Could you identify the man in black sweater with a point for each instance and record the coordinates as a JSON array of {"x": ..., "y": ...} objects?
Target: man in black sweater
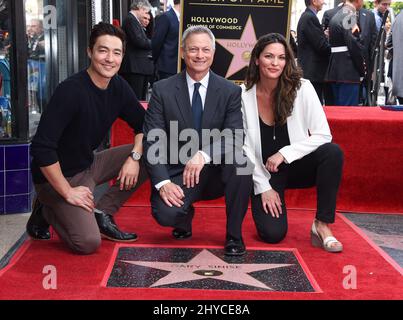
[{"x": 65, "y": 169}]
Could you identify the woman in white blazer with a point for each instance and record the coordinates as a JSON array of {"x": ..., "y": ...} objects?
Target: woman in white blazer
[{"x": 289, "y": 141}]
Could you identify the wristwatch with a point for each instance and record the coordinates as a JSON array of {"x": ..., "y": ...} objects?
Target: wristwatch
[{"x": 135, "y": 156}]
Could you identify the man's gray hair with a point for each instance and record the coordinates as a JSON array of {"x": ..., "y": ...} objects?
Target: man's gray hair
[
  {"x": 197, "y": 30},
  {"x": 138, "y": 4}
]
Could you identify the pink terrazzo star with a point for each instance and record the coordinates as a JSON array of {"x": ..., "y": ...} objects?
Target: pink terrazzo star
[{"x": 241, "y": 49}]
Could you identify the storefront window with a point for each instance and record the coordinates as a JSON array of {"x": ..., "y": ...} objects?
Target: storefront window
[
  {"x": 5, "y": 72},
  {"x": 36, "y": 64},
  {"x": 56, "y": 40}
]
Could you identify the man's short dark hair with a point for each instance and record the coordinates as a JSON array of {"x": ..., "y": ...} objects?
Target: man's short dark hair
[
  {"x": 308, "y": 2},
  {"x": 177, "y": 1},
  {"x": 102, "y": 29}
]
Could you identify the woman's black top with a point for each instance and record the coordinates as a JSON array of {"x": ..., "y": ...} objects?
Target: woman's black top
[{"x": 270, "y": 145}]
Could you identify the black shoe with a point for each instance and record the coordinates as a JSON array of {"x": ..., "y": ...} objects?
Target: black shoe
[
  {"x": 110, "y": 230},
  {"x": 37, "y": 226},
  {"x": 234, "y": 247},
  {"x": 181, "y": 234}
]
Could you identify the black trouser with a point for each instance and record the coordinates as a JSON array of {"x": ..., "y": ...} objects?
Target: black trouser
[
  {"x": 139, "y": 84},
  {"x": 321, "y": 168},
  {"x": 324, "y": 92},
  {"x": 215, "y": 181},
  {"x": 400, "y": 99}
]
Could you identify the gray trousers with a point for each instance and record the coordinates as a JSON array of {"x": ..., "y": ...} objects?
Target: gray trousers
[{"x": 74, "y": 225}]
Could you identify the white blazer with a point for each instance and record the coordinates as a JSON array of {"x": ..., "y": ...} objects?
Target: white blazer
[{"x": 307, "y": 129}]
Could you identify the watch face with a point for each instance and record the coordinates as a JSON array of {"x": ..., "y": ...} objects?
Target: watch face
[{"x": 136, "y": 156}]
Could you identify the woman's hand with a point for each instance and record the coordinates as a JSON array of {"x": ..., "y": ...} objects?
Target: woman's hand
[
  {"x": 274, "y": 161},
  {"x": 271, "y": 202}
]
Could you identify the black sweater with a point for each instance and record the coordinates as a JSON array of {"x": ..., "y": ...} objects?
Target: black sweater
[{"x": 76, "y": 121}]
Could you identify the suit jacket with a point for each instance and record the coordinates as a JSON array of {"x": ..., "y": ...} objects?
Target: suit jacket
[
  {"x": 368, "y": 33},
  {"x": 170, "y": 101},
  {"x": 165, "y": 42},
  {"x": 347, "y": 66},
  {"x": 328, "y": 15},
  {"x": 313, "y": 47},
  {"x": 137, "y": 57},
  {"x": 397, "y": 32},
  {"x": 307, "y": 128}
]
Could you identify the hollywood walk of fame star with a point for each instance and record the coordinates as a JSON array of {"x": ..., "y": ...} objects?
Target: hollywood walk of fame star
[
  {"x": 207, "y": 265},
  {"x": 241, "y": 49},
  {"x": 390, "y": 241}
]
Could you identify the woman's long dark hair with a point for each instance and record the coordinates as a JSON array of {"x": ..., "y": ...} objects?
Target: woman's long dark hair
[{"x": 289, "y": 82}]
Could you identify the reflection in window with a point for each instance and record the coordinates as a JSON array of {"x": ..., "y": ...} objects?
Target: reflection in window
[
  {"x": 37, "y": 84},
  {"x": 5, "y": 72}
]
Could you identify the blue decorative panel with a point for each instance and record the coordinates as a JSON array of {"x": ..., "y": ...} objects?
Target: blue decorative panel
[
  {"x": 30, "y": 183},
  {"x": 17, "y": 182},
  {"x": 17, "y": 157},
  {"x": 2, "y": 158},
  {"x": 2, "y": 205},
  {"x": 16, "y": 189},
  {"x": 2, "y": 174},
  {"x": 18, "y": 204}
]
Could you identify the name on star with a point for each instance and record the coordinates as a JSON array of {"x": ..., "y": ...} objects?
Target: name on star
[{"x": 192, "y": 266}]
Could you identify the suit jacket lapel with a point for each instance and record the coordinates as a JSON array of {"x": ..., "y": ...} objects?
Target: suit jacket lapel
[
  {"x": 211, "y": 103},
  {"x": 138, "y": 25},
  {"x": 183, "y": 100},
  {"x": 252, "y": 118}
]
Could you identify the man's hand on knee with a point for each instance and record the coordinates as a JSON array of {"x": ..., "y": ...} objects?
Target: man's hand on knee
[
  {"x": 191, "y": 174},
  {"x": 129, "y": 174},
  {"x": 172, "y": 195},
  {"x": 81, "y": 197}
]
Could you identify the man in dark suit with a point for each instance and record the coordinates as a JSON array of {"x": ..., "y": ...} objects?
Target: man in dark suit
[
  {"x": 188, "y": 105},
  {"x": 165, "y": 42},
  {"x": 313, "y": 48},
  {"x": 137, "y": 65},
  {"x": 346, "y": 68},
  {"x": 367, "y": 25}
]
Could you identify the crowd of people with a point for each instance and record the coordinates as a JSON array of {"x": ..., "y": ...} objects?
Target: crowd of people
[
  {"x": 337, "y": 54},
  {"x": 152, "y": 45}
]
